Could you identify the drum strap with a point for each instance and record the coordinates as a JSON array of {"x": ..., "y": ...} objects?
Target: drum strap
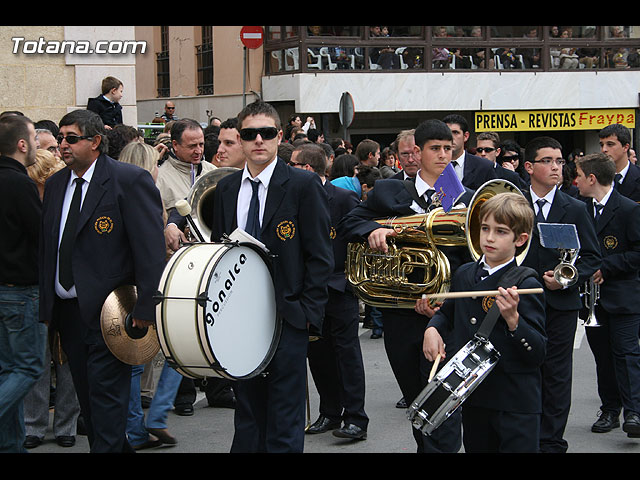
[{"x": 513, "y": 277}]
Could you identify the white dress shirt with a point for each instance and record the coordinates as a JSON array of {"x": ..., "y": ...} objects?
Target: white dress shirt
[
  {"x": 421, "y": 188},
  {"x": 549, "y": 200},
  {"x": 66, "y": 203},
  {"x": 246, "y": 192}
]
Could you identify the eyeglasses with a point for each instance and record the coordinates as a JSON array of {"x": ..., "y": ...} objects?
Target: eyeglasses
[
  {"x": 548, "y": 161},
  {"x": 296, "y": 164},
  {"x": 73, "y": 139},
  {"x": 511, "y": 158},
  {"x": 266, "y": 133},
  {"x": 485, "y": 149}
]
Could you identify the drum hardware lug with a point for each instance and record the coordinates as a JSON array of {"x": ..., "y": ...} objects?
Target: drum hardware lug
[{"x": 202, "y": 299}]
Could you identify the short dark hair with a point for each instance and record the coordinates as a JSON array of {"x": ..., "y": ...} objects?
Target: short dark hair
[
  {"x": 179, "y": 126},
  {"x": 13, "y": 128},
  {"x": 431, "y": 130},
  {"x": 531, "y": 148},
  {"x": 458, "y": 120},
  {"x": 598, "y": 164},
  {"x": 230, "y": 123},
  {"x": 259, "y": 108},
  {"x": 619, "y": 131},
  {"x": 366, "y": 147},
  {"x": 344, "y": 166},
  {"x": 89, "y": 123},
  {"x": 368, "y": 175},
  {"x": 211, "y": 144},
  {"x": 109, "y": 83},
  {"x": 312, "y": 155}
]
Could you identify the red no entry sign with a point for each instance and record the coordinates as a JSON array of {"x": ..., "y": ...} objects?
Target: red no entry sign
[{"x": 251, "y": 37}]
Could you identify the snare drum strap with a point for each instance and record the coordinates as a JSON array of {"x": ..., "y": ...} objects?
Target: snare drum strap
[{"x": 514, "y": 277}]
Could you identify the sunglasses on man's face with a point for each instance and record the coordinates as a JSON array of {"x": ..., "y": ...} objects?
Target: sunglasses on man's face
[
  {"x": 266, "y": 133},
  {"x": 72, "y": 139}
]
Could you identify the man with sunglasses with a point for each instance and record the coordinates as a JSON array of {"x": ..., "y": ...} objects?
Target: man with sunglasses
[
  {"x": 287, "y": 210},
  {"x": 487, "y": 146},
  {"x": 101, "y": 229},
  {"x": 543, "y": 161}
]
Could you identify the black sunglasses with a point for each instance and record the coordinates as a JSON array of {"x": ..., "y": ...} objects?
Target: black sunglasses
[
  {"x": 267, "y": 133},
  {"x": 73, "y": 139},
  {"x": 484, "y": 149}
]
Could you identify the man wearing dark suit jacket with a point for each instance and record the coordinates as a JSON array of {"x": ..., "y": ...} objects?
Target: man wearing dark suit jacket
[
  {"x": 615, "y": 342},
  {"x": 543, "y": 162},
  {"x": 407, "y": 157},
  {"x": 615, "y": 142},
  {"x": 404, "y": 328},
  {"x": 111, "y": 213},
  {"x": 289, "y": 214},
  {"x": 335, "y": 359},
  {"x": 473, "y": 171}
]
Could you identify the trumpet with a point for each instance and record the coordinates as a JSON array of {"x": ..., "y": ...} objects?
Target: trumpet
[
  {"x": 591, "y": 295},
  {"x": 565, "y": 273}
]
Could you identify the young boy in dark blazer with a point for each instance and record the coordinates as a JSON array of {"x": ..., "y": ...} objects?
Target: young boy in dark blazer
[
  {"x": 503, "y": 413},
  {"x": 615, "y": 342}
]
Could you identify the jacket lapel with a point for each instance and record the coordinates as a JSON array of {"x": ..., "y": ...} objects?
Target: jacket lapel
[
  {"x": 95, "y": 191},
  {"x": 608, "y": 212},
  {"x": 276, "y": 192}
]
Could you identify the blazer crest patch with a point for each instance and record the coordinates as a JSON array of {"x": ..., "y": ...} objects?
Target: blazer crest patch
[
  {"x": 103, "y": 225},
  {"x": 610, "y": 242},
  {"x": 286, "y": 230}
]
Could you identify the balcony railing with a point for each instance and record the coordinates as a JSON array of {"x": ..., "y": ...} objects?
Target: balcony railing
[{"x": 305, "y": 49}]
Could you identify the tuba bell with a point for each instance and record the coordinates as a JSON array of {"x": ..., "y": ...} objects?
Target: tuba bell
[
  {"x": 200, "y": 198},
  {"x": 413, "y": 265}
]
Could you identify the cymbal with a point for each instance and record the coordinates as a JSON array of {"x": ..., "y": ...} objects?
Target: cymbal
[{"x": 131, "y": 345}]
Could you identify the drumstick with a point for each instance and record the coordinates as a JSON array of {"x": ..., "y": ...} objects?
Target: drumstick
[
  {"x": 479, "y": 293},
  {"x": 435, "y": 367}
]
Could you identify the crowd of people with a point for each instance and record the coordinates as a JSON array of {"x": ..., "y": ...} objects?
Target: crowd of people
[{"x": 88, "y": 205}]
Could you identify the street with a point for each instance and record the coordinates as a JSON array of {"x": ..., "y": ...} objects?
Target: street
[{"x": 210, "y": 430}]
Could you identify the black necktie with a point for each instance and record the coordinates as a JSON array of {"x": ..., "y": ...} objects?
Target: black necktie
[
  {"x": 253, "y": 217},
  {"x": 616, "y": 180},
  {"x": 598, "y": 209},
  {"x": 540, "y": 216},
  {"x": 428, "y": 194},
  {"x": 481, "y": 272},
  {"x": 65, "y": 275}
]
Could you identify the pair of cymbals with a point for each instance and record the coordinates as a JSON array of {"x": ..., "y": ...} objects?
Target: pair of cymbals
[{"x": 129, "y": 344}]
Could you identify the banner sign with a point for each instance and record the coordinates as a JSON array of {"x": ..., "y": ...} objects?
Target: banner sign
[{"x": 540, "y": 120}]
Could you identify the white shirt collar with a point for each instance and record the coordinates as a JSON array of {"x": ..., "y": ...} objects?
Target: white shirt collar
[
  {"x": 264, "y": 176},
  {"x": 548, "y": 197},
  {"x": 605, "y": 199},
  {"x": 88, "y": 175},
  {"x": 421, "y": 185},
  {"x": 496, "y": 268},
  {"x": 624, "y": 171}
]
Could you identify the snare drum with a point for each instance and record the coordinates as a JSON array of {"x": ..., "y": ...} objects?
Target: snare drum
[
  {"x": 216, "y": 315},
  {"x": 455, "y": 381}
]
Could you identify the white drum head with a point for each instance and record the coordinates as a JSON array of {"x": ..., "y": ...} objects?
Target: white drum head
[{"x": 240, "y": 321}]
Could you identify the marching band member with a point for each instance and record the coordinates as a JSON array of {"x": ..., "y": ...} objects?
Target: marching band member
[
  {"x": 287, "y": 210},
  {"x": 543, "y": 162},
  {"x": 101, "y": 228},
  {"x": 615, "y": 342}
]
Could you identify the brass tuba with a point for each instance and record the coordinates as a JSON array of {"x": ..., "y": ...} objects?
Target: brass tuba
[
  {"x": 414, "y": 265},
  {"x": 200, "y": 198}
]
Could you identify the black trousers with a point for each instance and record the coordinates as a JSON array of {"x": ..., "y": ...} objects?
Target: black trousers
[
  {"x": 557, "y": 371},
  {"x": 102, "y": 382},
  {"x": 270, "y": 409},
  {"x": 494, "y": 431},
  {"x": 403, "y": 336},
  {"x": 335, "y": 361},
  {"x": 617, "y": 354}
]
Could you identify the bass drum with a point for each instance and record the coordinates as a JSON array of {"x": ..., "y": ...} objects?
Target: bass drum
[{"x": 216, "y": 315}]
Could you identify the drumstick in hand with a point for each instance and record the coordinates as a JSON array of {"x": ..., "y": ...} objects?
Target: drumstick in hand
[{"x": 435, "y": 367}]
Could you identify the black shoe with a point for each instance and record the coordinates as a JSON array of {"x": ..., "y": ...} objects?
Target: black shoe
[
  {"x": 375, "y": 336},
  {"x": 607, "y": 422},
  {"x": 223, "y": 399},
  {"x": 145, "y": 401},
  {"x": 66, "y": 440},
  {"x": 151, "y": 442},
  {"x": 351, "y": 431},
  {"x": 631, "y": 425},
  {"x": 31, "y": 441},
  {"x": 322, "y": 425},
  {"x": 402, "y": 403},
  {"x": 184, "y": 410}
]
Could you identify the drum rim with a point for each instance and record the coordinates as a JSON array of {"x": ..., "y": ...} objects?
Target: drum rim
[{"x": 275, "y": 340}]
